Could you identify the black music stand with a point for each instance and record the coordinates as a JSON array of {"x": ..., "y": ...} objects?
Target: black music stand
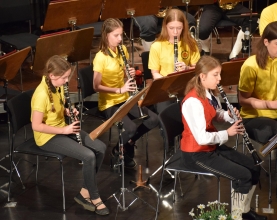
[
  {"x": 9, "y": 67},
  {"x": 66, "y": 14},
  {"x": 116, "y": 119},
  {"x": 168, "y": 87},
  {"x": 126, "y": 8}
]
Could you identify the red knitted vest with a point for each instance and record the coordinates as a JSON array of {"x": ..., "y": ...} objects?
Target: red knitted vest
[{"x": 188, "y": 142}]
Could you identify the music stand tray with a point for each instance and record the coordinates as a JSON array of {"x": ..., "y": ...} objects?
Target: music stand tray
[
  {"x": 73, "y": 45},
  {"x": 170, "y": 86},
  {"x": 66, "y": 14}
]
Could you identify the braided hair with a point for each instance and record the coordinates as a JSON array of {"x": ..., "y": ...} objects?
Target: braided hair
[{"x": 57, "y": 66}]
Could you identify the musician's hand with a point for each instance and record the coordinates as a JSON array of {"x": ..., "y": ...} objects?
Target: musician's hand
[
  {"x": 66, "y": 112},
  {"x": 236, "y": 112},
  {"x": 181, "y": 66},
  {"x": 236, "y": 128},
  {"x": 73, "y": 128},
  {"x": 132, "y": 72},
  {"x": 129, "y": 86},
  {"x": 75, "y": 112}
]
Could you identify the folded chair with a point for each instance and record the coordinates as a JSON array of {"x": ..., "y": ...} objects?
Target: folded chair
[{"x": 19, "y": 108}]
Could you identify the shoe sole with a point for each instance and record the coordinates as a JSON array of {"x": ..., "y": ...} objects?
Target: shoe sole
[{"x": 87, "y": 207}]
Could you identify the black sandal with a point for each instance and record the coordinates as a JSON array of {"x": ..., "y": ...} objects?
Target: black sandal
[
  {"x": 84, "y": 202},
  {"x": 104, "y": 211}
]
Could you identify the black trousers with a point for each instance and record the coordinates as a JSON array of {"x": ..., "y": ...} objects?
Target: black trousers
[
  {"x": 212, "y": 14},
  {"x": 130, "y": 129},
  {"x": 260, "y": 129},
  {"x": 225, "y": 162}
]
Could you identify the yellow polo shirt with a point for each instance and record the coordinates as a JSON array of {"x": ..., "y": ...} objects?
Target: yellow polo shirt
[
  {"x": 161, "y": 57},
  {"x": 41, "y": 103},
  {"x": 111, "y": 69},
  {"x": 268, "y": 15},
  {"x": 261, "y": 83}
]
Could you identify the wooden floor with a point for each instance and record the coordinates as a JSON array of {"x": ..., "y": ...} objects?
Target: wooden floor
[{"x": 44, "y": 200}]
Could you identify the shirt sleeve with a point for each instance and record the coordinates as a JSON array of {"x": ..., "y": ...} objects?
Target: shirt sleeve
[
  {"x": 193, "y": 112},
  {"x": 195, "y": 56},
  {"x": 154, "y": 61},
  {"x": 98, "y": 63},
  {"x": 247, "y": 79}
]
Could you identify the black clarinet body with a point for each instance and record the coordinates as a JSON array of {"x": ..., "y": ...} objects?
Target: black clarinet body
[
  {"x": 127, "y": 66},
  {"x": 175, "y": 53},
  {"x": 72, "y": 117},
  {"x": 249, "y": 145}
]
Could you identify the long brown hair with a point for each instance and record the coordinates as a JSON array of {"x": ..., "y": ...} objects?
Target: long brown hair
[
  {"x": 57, "y": 66},
  {"x": 108, "y": 26},
  {"x": 270, "y": 33},
  {"x": 185, "y": 37},
  {"x": 204, "y": 65}
]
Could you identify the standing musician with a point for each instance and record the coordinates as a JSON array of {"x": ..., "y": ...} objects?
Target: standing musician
[
  {"x": 203, "y": 146},
  {"x": 51, "y": 132},
  {"x": 161, "y": 57},
  {"x": 108, "y": 66},
  {"x": 268, "y": 15},
  {"x": 213, "y": 13},
  {"x": 258, "y": 89}
]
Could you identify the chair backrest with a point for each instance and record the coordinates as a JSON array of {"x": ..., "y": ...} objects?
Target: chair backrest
[
  {"x": 19, "y": 108},
  {"x": 86, "y": 81},
  {"x": 230, "y": 72},
  {"x": 171, "y": 122},
  {"x": 15, "y": 10},
  {"x": 146, "y": 71}
]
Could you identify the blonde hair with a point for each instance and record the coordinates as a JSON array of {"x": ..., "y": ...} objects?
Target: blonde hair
[
  {"x": 57, "y": 66},
  {"x": 185, "y": 37},
  {"x": 108, "y": 26},
  {"x": 204, "y": 65}
]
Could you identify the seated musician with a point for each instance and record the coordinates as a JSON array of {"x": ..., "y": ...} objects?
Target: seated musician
[
  {"x": 109, "y": 68},
  {"x": 257, "y": 88},
  {"x": 150, "y": 26},
  {"x": 268, "y": 15},
  {"x": 203, "y": 146},
  {"x": 161, "y": 57},
  {"x": 51, "y": 132},
  {"x": 213, "y": 13}
]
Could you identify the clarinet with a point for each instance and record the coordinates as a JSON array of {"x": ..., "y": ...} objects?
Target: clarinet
[
  {"x": 127, "y": 69},
  {"x": 249, "y": 145},
  {"x": 175, "y": 53},
  {"x": 72, "y": 117}
]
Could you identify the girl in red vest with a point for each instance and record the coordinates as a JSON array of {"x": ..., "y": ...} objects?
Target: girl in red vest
[{"x": 203, "y": 146}]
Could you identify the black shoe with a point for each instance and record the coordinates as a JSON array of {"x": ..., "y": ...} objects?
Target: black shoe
[
  {"x": 251, "y": 215},
  {"x": 129, "y": 162},
  {"x": 202, "y": 53},
  {"x": 86, "y": 204},
  {"x": 104, "y": 211}
]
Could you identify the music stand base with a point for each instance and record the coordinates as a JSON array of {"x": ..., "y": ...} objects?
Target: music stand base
[{"x": 268, "y": 210}]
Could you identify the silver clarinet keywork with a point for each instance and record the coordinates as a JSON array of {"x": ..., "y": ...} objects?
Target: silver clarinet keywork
[
  {"x": 249, "y": 145},
  {"x": 127, "y": 66},
  {"x": 72, "y": 117},
  {"x": 175, "y": 53}
]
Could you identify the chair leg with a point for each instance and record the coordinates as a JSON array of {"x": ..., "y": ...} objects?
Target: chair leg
[
  {"x": 62, "y": 179},
  {"x": 18, "y": 174},
  {"x": 174, "y": 188},
  {"x": 218, "y": 188},
  {"x": 182, "y": 194}
]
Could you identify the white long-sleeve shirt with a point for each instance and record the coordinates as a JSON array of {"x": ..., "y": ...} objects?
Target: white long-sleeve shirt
[{"x": 193, "y": 111}]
